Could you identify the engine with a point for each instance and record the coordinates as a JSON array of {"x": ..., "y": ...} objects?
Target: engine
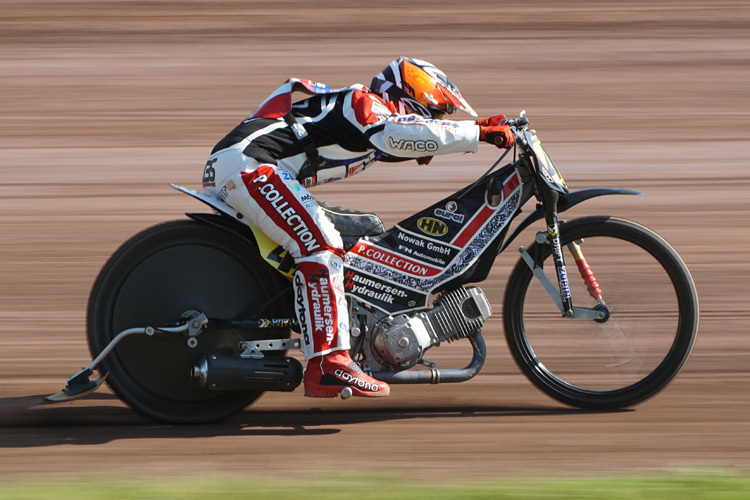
[{"x": 401, "y": 340}]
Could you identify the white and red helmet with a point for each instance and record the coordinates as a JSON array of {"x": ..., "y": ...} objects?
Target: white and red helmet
[{"x": 416, "y": 86}]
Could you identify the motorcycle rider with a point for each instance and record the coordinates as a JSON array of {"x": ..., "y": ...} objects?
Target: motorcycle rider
[{"x": 264, "y": 166}]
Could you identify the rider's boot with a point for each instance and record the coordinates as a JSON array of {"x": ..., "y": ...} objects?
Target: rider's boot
[{"x": 326, "y": 376}]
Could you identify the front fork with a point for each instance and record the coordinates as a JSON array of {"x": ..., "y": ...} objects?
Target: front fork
[
  {"x": 561, "y": 294},
  {"x": 553, "y": 233}
]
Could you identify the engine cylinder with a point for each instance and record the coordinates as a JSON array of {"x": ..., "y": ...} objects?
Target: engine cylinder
[{"x": 458, "y": 313}]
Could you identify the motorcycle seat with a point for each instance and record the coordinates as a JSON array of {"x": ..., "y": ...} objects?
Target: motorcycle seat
[{"x": 352, "y": 223}]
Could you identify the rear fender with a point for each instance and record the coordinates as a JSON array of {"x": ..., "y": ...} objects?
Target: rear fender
[
  {"x": 565, "y": 202},
  {"x": 229, "y": 219}
]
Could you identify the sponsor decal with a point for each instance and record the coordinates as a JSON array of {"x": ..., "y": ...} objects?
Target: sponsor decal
[
  {"x": 231, "y": 185},
  {"x": 319, "y": 292},
  {"x": 373, "y": 289},
  {"x": 209, "y": 173},
  {"x": 562, "y": 275},
  {"x": 355, "y": 381},
  {"x": 450, "y": 212},
  {"x": 425, "y": 250},
  {"x": 438, "y": 248},
  {"x": 289, "y": 178},
  {"x": 299, "y": 291},
  {"x": 275, "y": 323},
  {"x": 307, "y": 200},
  {"x": 380, "y": 109},
  {"x": 413, "y": 145},
  {"x": 316, "y": 87},
  {"x": 222, "y": 194},
  {"x": 337, "y": 282},
  {"x": 287, "y": 212},
  {"x": 418, "y": 120},
  {"x": 336, "y": 263},
  {"x": 422, "y": 256},
  {"x": 394, "y": 260},
  {"x": 411, "y": 240},
  {"x": 285, "y": 175},
  {"x": 428, "y": 225}
]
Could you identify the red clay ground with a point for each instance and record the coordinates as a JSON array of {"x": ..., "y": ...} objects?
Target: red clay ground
[{"x": 103, "y": 104}]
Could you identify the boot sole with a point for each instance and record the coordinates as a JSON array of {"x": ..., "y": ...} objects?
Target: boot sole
[{"x": 333, "y": 391}]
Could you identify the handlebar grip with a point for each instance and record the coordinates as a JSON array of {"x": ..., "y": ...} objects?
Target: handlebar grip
[{"x": 518, "y": 122}]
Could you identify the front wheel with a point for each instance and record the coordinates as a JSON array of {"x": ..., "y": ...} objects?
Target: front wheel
[
  {"x": 154, "y": 279},
  {"x": 626, "y": 358}
]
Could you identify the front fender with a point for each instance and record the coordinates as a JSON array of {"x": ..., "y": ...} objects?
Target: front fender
[{"x": 565, "y": 202}]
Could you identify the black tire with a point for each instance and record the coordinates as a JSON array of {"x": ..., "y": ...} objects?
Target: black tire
[
  {"x": 635, "y": 353},
  {"x": 151, "y": 280}
]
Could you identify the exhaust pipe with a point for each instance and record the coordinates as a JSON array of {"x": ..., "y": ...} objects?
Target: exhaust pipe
[
  {"x": 435, "y": 376},
  {"x": 232, "y": 373}
]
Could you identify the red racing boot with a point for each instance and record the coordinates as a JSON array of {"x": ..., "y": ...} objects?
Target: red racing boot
[{"x": 326, "y": 376}]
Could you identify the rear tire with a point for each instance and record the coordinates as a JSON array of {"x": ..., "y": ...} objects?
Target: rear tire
[{"x": 153, "y": 279}]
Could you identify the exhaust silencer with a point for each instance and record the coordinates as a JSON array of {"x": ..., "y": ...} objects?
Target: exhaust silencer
[{"x": 232, "y": 373}]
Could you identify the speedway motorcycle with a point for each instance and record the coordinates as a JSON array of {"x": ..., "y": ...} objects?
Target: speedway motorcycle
[{"x": 191, "y": 320}]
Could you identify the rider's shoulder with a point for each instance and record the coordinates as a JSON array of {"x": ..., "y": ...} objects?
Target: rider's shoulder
[{"x": 368, "y": 102}]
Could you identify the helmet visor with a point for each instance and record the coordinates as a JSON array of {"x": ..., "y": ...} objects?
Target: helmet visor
[{"x": 453, "y": 98}]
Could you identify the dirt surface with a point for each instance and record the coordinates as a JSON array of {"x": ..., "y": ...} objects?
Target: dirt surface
[{"x": 104, "y": 103}]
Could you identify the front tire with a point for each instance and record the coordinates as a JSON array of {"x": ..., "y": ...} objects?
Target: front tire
[
  {"x": 631, "y": 356},
  {"x": 153, "y": 279}
]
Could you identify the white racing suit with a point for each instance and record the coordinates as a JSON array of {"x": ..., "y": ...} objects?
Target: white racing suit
[{"x": 258, "y": 170}]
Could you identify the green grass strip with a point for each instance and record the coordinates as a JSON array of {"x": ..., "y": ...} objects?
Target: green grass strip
[{"x": 687, "y": 485}]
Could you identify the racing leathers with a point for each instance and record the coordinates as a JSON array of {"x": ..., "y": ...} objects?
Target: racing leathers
[{"x": 263, "y": 169}]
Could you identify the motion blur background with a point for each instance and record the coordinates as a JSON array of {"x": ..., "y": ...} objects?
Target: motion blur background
[{"x": 103, "y": 103}]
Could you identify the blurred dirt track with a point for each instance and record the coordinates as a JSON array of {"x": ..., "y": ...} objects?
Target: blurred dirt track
[{"x": 102, "y": 104}]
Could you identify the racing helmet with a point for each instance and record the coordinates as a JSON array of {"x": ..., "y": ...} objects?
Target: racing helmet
[{"x": 416, "y": 86}]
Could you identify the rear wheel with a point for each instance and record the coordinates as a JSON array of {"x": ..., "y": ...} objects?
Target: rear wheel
[
  {"x": 155, "y": 278},
  {"x": 637, "y": 350}
]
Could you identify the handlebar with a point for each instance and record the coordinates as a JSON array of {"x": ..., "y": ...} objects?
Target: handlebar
[{"x": 517, "y": 122}]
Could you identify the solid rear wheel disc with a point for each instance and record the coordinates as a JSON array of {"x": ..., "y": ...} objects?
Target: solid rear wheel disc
[{"x": 152, "y": 280}]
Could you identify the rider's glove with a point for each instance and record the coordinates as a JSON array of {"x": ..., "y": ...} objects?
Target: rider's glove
[
  {"x": 499, "y": 135},
  {"x": 492, "y": 121}
]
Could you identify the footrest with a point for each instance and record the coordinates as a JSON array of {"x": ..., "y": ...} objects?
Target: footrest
[
  {"x": 254, "y": 349},
  {"x": 78, "y": 386}
]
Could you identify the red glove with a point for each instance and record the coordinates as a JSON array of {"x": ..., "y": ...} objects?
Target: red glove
[
  {"x": 492, "y": 121},
  {"x": 500, "y": 135}
]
